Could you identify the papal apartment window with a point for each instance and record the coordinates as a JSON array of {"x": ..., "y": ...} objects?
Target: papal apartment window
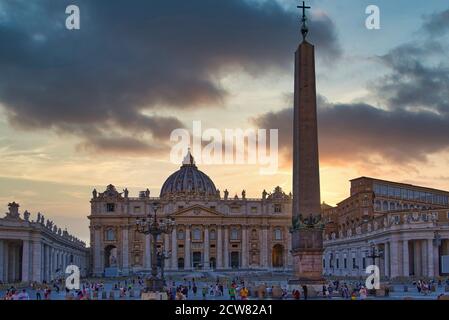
[
  {"x": 110, "y": 207},
  {"x": 136, "y": 209},
  {"x": 253, "y": 209}
]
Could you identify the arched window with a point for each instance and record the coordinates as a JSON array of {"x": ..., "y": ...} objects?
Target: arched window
[
  {"x": 278, "y": 234},
  {"x": 181, "y": 234},
  {"x": 234, "y": 234},
  {"x": 110, "y": 235},
  {"x": 196, "y": 234},
  {"x": 392, "y": 206},
  {"x": 212, "y": 235}
]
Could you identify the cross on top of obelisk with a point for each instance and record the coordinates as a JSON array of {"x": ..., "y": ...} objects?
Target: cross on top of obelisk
[{"x": 304, "y": 29}]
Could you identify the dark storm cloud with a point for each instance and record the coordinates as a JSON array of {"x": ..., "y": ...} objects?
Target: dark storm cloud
[
  {"x": 355, "y": 132},
  {"x": 418, "y": 78},
  {"x": 137, "y": 56},
  {"x": 437, "y": 24}
]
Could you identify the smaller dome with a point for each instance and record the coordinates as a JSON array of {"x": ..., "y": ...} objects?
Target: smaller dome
[{"x": 188, "y": 180}]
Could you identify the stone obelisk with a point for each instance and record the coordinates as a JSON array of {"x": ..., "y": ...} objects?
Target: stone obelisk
[{"x": 307, "y": 228}]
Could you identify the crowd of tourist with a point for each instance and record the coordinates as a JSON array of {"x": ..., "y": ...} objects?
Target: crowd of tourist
[{"x": 190, "y": 289}]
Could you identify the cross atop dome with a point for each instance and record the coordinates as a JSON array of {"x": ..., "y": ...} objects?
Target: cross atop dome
[{"x": 188, "y": 159}]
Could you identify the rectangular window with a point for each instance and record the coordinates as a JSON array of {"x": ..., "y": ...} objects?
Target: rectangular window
[
  {"x": 277, "y": 208},
  {"x": 403, "y": 193},
  {"x": 136, "y": 209},
  {"x": 110, "y": 207},
  {"x": 253, "y": 209},
  {"x": 364, "y": 263},
  {"x": 345, "y": 261},
  {"x": 353, "y": 263},
  {"x": 324, "y": 263},
  {"x": 338, "y": 263}
]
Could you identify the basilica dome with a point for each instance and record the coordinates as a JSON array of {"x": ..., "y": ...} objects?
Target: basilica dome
[{"x": 188, "y": 180}]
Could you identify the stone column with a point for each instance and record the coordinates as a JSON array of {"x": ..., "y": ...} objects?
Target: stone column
[
  {"x": 405, "y": 259},
  {"x": 26, "y": 261},
  {"x": 436, "y": 261},
  {"x": 47, "y": 263},
  {"x": 244, "y": 247},
  {"x": 147, "y": 253},
  {"x": 417, "y": 258},
  {"x": 264, "y": 247},
  {"x": 387, "y": 259},
  {"x": 424, "y": 255},
  {"x": 98, "y": 268},
  {"x": 206, "y": 263},
  {"x": 3, "y": 261},
  {"x": 187, "y": 253},
  {"x": 430, "y": 261},
  {"x": 394, "y": 261},
  {"x": 125, "y": 251},
  {"x": 219, "y": 248},
  {"x": 37, "y": 262},
  {"x": 174, "y": 250},
  {"x": 226, "y": 248}
]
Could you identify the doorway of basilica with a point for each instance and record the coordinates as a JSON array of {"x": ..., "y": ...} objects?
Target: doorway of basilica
[
  {"x": 278, "y": 256},
  {"x": 196, "y": 258},
  {"x": 235, "y": 260}
]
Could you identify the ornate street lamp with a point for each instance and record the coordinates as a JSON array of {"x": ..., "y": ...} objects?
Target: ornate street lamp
[
  {"x": 155, "y": 227},
  {"x": 374, "y": 253}
]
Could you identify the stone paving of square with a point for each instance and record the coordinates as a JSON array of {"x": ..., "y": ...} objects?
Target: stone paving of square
[{"x": 203, "y": 280}]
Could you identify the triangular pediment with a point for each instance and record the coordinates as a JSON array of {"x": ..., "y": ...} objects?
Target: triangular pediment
[{"x": 197, "y": 211}]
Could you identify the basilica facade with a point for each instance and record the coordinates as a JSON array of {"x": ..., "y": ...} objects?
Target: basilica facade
[{"x": 213, "y": 231}]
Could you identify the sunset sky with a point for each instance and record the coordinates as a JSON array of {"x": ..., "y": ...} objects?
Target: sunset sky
[{"x": 82, "y": 109}]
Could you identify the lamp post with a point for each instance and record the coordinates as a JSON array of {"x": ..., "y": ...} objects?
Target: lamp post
[
  {"x": 162, "y": 256},
  {"x": 155, "y": 227},
  {"x": 374, "y": 253}
]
